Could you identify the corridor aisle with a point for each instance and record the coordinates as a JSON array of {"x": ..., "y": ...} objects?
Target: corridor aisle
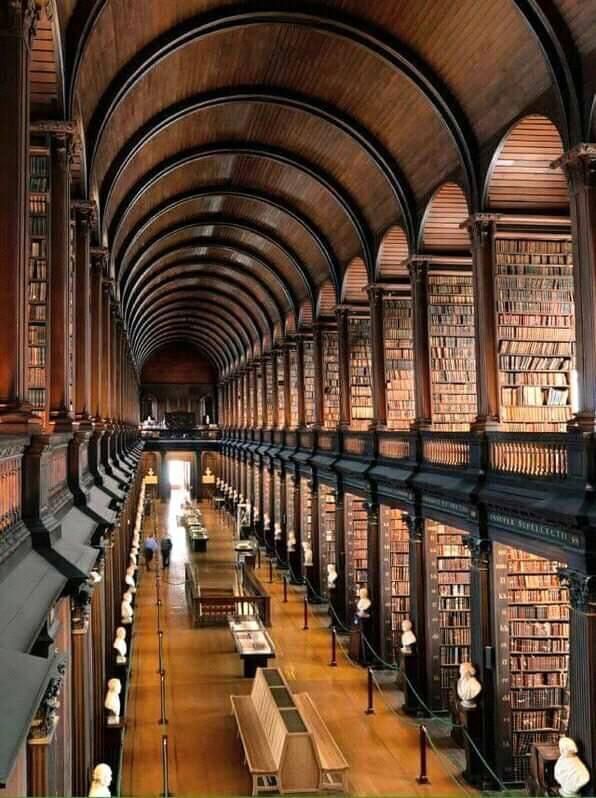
[{"x": 202, "y": 671}]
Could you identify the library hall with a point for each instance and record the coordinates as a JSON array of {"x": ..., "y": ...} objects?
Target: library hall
[{"x": 297, "y": 398}]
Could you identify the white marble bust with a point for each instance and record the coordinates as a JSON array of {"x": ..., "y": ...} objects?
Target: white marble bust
[
  {"x": 126, "y": 610},
  {"x": 332, "y": 576},
  {"x": 120, "y": 645},
  {"x": 408, "y": 638},
  {"x": 363, "y": 604},
  {"x": 266, "y": 521},
  {"x": 291, "y": 541},
  {"x": 101, "y": 781},
  {"x": 277, "y": 532},
  {"x": 307, "y": 548},
  {"x": 468, "y": 686},
  {"x": 570, "y": 772},
  {"x": 130, "y": 579},
  {"x": 112, "y": 702}
]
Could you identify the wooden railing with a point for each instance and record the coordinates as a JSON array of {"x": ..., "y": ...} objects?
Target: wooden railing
[
  {"x": 327, "y": 441},
  {"x": 358, "y": 444},
  {"x": 10, "y": 490},
  {"x": 526, "y": 455},
  {"x": 213, "y": 607},
  {"x": 394, "y": 445},
  {"x": 446, "y": 449}
]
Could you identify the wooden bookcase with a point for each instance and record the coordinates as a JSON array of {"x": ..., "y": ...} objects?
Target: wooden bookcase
[
  {"x": 326, "y": 532},
  {"x": 281, "y": 389},
  {"x": 356, "y": 529},
  {"x": 305, "y": 512},
  {"x": 259, "y": 397},
  {"x": 330, "y": 379},
  {"x": 309, "y": 382},
  {"x": 399, "y": 362},
  {"x": 361, "y": 400},
  {"x": 452, "y": 351},
  {"x": 448, "y": 607},
  {"x": 269, "y": 392},
  {"x": 257, "y": 489},
  {"x": 395, "y": 576},
  {"x": 266, "y": 478},
  {"x": 294, "y": 387},
  {"x": 72, "y": 265},
  {"x": 536, "y": 332},
  {"x": 290, "y": 519},
  {"x": 532, "y": 623},
  {"x": 38, "y": 285}
]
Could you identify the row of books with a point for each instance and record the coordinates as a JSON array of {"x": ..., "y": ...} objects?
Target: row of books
[
  {"x": 535, "y": 396},
  {"x": 309, "y": 382}
]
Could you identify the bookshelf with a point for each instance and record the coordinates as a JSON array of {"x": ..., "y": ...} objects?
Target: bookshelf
[
  {"x": 257, "y": 489},
  {"x": 330, "y": 379},
  {"x": 266, "y": 477},
  {"x": 277, "y": 497},
  {"x": 37, "y": 287},
  {"x": 281, "y": 389},
  {"x": 326, "y": 533},
  {"x": 259, "y": 397},
  {"x": 269, "y": 392},
  {"x": 532, "y": 618},
  {"x": 305, "y": 511},
  {"x": 356, "y": 521},
  {"x": 448, "y": 597},
  {"x": 290, "y": 519},
  {"x": 399, "y": 362},
  {"x": 395, "y": 576},
  {"x": 72, "y": 265},
  {"x": 309, "y": 382},
  {"x": 536, "y": 333},
  {"x": 452, "y": 351},
  {"x": 361, "y": 401},
  {"x": 294, "y": 387}
]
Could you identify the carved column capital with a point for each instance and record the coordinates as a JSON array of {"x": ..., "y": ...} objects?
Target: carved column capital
[
  {"x": 418, "y": 269},
  {"x": 415, "y": 524},
  {"x": 99, "y": 259},
  {"x": 85, "y": 212},
  {"x": 582, "y": 589},
  {"x": 480, "y": 550},
  {"x": 375, "y": 293},
  {"x": 20, "y": 18},
  {"x": 480, "y": 226},
  {"x": 46, "y": 718},
  {"x": 579, "y": 165},
  {"x": 81, "y": 607}
]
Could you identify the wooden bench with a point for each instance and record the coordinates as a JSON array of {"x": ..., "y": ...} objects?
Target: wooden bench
[{"x": 285, "y": 751}]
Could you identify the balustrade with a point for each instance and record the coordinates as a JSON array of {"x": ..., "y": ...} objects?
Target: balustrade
[
  {"x": 10, "y": 491},
  {"x": 528, "y": 456},
  {"x": 452, "y": 451}
]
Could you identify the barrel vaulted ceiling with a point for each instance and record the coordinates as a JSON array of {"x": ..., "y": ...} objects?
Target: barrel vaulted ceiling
[{"x": 243, "y": 154}]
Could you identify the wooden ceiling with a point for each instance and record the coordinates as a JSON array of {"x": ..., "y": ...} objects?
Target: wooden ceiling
[{"x": 243, "y": 154}]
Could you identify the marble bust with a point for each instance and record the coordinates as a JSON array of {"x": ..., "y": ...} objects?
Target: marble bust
[
  {"x": 291, "y": 541},
  {"x": 277, "y": 532},
  {"x": 112, "y": 702},
  {"x": 101, "y": 781},
  {"x": 126, "y": 609},
  {"x": 130, "y": 579},
  {"x": 307, "y": 549},
  {"x": 468, "y": 686},
  {"x": 332, "y": 576},
  {"x": 570, "y": 772},
  {"x": 408, "y": 638},
  {"x": 363, "y": 604},
  {"x": 120, "y": 645}
]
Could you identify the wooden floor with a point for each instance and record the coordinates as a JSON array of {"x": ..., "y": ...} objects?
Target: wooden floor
[{"x": 202, "y": 671}]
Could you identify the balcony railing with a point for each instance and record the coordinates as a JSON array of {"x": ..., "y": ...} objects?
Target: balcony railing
[
  {"x": 446, "y": 449},
  {"x": 394, "y": 445},
  {"x": 206, "y": 434},
  {"x": 10, "y": 489},
  {"x": 524, "y": 454}
]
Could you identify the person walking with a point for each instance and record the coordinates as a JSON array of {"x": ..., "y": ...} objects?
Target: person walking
[
  {"x": 149, "y": 549},
  {"x": 166, "y": 549}
]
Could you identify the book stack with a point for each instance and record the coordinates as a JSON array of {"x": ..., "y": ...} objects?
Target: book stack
[
  {"x": 290, "y": 520},
  {"x": 259, "y": 398},
  {"x": 305, "y": 510},
  {"x": 326, "y": 532},
  {"x": 396, "y": 575},
  {"x": 309, "y": 382},
  {"x": 330, "y": 380},
  {"x": 281, "y": 389},
  {"x": 257, "y": 488},
  {"x": 361, "y": 402},
  {"x": 449, "y": 600},
  {"x": 399, "y": 362},
  {"x": 37, "y": 289},
  {"x": 536, "y": 333},
  {"x": 452, "y": 351},
  {"x": 268, "y": 375},
  {"x": 356, "y": 520}
]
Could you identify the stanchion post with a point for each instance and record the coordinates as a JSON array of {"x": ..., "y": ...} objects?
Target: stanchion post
[
  {"x": 305, "y": 627},
  {"x": 422, "y": 778},
  {"x": 270, "y": 571},
  {"x": 333, "y": 662},
  {"x": 162, "y": 684},
  {"x": 258, "y": 556},
  {"x": 370, "y": 710},
  {"x": 165, "y": 768},
  {"x": 285, "y": 589},
  {"x": 160, "y": 669}
]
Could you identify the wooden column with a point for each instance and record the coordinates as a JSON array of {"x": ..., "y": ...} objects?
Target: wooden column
[
  {"x": 343, "y": 355},
  {"x": 482, "y": 590},
  {"x": 84, "y": 216},
  {"x": 82, "y": 700},
  {"x": 339, "y": 598},
  {"x": 263, "y": 419},
  {"x": 418, "y": 570},
  {"x": 314, "y": 573},
  {"x": 300, "y": 421},
  {"x": 374, "y": 565},
  {"x": 582, "y": 667},
  {"x": 17, "y": 21},
  {"x": 579, "y": 165},
  {"x": 318, "y": 369},
  {"x": 418, "y": 269},
  {"x": 98, "y": 613},
  {"x": 295, "y": 557},
  {"x": 106, "y": 352},
  {"x": 375, "y": 299},
  {"x": 482, "y": 228},
  {"x": 61, "y": 156},
  {"x": 274, "y": 399},
  {"x": 45, "y": 775}
]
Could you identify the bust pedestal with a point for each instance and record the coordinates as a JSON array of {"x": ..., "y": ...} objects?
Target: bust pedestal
[{"x": 408, "y": 664}]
